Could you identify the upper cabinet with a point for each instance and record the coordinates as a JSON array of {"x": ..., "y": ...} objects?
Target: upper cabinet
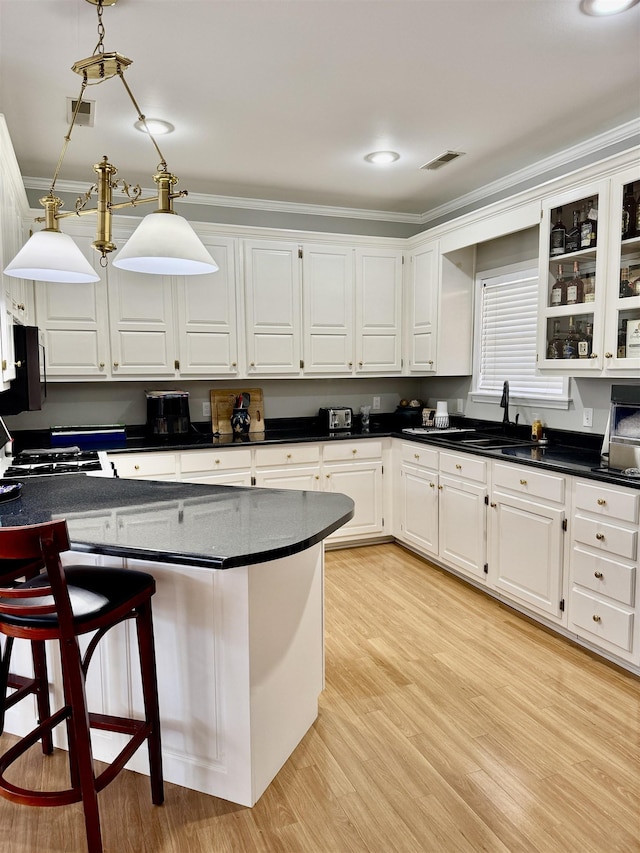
[
  {"x": 589, "y": 262},
  {"x": 378, "y": 311},
  {"x": 439, "y": 310}
]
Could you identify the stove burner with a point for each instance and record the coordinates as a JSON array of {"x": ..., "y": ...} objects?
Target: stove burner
[{"x": 54, "y": 460}]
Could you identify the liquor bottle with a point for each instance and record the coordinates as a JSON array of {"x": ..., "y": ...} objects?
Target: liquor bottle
[
  {"x": 622, "y": 339},
  {"x": 638, "y": 216},
  {"x": 575, "y": 287},
  {"x": 625, "y": 285},
  {"x": 555, "y": 346},
  {"x": 585, "y": 341},
  {"x": 570, "y": 347},
  {"x": 558, "y": 235},
  {"x": 559, "y": 290},
  {"x": 590, "y": 288},
  {"x": 572, "y": 241},
  {"x": 588, "y": 226},
  {"x": 629, "y": 213}
]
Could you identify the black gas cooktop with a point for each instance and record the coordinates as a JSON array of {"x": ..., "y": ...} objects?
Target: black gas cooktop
[{"x": 53, "y": 460}]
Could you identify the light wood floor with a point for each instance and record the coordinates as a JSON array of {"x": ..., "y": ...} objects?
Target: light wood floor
[{"x": 448, "y": 723}]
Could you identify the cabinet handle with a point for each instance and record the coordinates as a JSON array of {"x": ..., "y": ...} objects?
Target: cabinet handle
[
  {"x": 350, "y": 364},
  {"x": 523, "y": 482},
  {"x": 17, "y": 364},
  {"x": 327, "y": 476},
  {"x": 354, "y": 451},
  {"x": 440, "y": 487},
  {"x": 317, "y": 476},
  {"x": 253, "y": 364},
  {"x": 360, "y": 364},
  {"x": 601, "y": 502},
  {"x": 20, "y": 306},
  {"x": 493, "y": 504},
  {"x": 416, "y": 456},
  {"x": 217, "y": 461},
  {"x": 136, "y": 467},
  {"x": 101, "y": 365},
  {"x": 234, "y": 364},
  {"x": 116, "y": 364},
  {"x": 593, "y": 355},
  {"x": 430, "y": 362},
  {"x": 597, "y": 575},
  {"x": 288, "y": 456},
  {"x": 432, "y": 485},
  {"x": 599, "y": 536},
  {"x": 459, "y": 467},
  {"x": 596, "y": 618},
  {"x": 608, "y": 355}
]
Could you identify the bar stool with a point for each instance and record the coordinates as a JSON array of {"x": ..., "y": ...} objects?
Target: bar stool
[{"x": 62, "y": 604}]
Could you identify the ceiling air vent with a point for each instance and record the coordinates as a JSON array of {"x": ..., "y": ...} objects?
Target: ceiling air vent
[
  {"x": 442, "y": 160},
  {"x": 86, "y": 113}
]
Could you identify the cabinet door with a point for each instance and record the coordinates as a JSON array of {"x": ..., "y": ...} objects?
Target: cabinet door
[
  {"x": 272, "y": 305},
  {"x": 622, "y": 310},
  {"x": 75, "y": 321},
  {"x": 419, "y": 508},
  {"x": 327, "y": 281},
  {"x": 421, "y": 309},
  {"x": 378, "y": 310},
  {"x": 362, "y": 482},
  {"x": 527, "y": 552},
  {"x": 462, "y": 527},
  {"x": 141, "y": 324},
  {"x": 206, "y": 309}
]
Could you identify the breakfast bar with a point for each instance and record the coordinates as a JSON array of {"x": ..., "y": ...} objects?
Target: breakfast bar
[{"x": 238, "y": 617}]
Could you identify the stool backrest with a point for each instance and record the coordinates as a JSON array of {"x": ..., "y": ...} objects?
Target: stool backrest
[{"x": 30, "y": 550}]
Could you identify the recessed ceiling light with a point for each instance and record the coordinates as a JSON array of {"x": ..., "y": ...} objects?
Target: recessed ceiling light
[
  {"x": 606, "y": 7},
  {"x": 381, "y": 158},
  {"x": 155, "y": 125}
]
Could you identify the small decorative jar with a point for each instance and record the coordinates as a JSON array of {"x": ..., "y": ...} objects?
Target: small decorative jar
[{"x": 240, "y": 421}]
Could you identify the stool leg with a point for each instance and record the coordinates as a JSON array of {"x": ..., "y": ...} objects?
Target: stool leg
[
  {"x": 80, "y": 752},
  {"x": 5, "y": 658},
  {"x": 42, "y": 690},
  {"x": 146, "y": 650}
]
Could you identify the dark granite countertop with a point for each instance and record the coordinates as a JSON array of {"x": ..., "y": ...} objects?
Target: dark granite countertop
[{"x": 217, "y": 527}]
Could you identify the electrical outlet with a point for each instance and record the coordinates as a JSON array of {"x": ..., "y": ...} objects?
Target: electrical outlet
[
  {"x": 206, "y": 410},
  {"x": 587, "y": 417},
  {"x": 376, "y": 404}
]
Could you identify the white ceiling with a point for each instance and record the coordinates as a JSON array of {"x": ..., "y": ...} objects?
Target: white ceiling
[{"x": 281, "y": 99}]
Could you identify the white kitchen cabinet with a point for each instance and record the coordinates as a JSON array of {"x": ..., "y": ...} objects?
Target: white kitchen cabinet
[
  {"x": 605, "y": 310},
  {"x": 161, "y": 465},
  {"x": 74, "y": 320},
  {"x": 141, "y": 323},
  {"x": 288, "y": 466},
  {"x": 378, "y": 311},
  {"x": 463, "y": 513},
  {"x": 272, "y": 308},
  {"x": 218, "y": 466},
  {"x": 526, "y": 538},
  {"x": 603, "y": 598},
  {"x": 207, "y": 315},
  {"x": 418, "y": 496},
  {"x": 355, "y": 468},
  {"x": 439, "y": 310}
]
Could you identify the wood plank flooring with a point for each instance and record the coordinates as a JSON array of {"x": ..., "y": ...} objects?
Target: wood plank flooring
[{"x": 449, "y": 724}]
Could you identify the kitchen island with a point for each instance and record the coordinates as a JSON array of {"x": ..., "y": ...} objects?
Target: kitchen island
[{"x": 238, "y": 617}]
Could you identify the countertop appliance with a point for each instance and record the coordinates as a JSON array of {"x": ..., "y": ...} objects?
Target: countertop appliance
[
  {"x": 335, "y": 418},
  {"x": 624, "y": 428},
  {"x": 168, "y": 413},
  {"x": 57, "y": 460}
]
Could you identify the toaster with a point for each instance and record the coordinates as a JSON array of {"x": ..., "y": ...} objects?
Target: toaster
[{"x": 335, "y": 418}]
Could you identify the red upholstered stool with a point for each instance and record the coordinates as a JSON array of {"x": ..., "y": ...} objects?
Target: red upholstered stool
[{"x": 61, "y": 604}]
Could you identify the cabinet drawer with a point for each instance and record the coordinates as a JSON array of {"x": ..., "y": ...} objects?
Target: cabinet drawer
[
  {"x": 606, "y": 502},
  {"x": 611, "y": 538},
  {"x": 601, "y": 575},
  {"x": 464, "y": 465},
  {"x": 215, "y": 460},
  {"x": 287, "y": 454},
  {"x": 145, "y": 464},
  {"x": 419, "y": 455},
  {"x": 342, "y": 451},
  {"x": 605, "y": 620},
  {"x": 525, "y": 481}
]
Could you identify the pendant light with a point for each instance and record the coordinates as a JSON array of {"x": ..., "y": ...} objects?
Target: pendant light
[{"x": 163, "y": 244}]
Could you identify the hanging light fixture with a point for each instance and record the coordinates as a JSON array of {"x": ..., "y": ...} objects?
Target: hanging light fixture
[{"x": 163, "y": 243}]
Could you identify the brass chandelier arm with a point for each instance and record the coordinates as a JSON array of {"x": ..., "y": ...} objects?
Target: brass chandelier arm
[
  {"x": 163, "y": 163},
  {"x": 67, "y": 138}
]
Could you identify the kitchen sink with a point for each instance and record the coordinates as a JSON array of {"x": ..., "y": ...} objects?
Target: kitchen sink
[{"x": 495, "y": 442}]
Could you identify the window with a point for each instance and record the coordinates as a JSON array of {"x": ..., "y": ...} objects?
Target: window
[{"x": 505, "y": 341}]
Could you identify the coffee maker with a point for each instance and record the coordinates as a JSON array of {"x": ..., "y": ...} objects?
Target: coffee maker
[{"x": 168, "y": 413}]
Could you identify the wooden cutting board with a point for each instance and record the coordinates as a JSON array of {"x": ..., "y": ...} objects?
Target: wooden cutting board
[{"x": 222, "y": 406}]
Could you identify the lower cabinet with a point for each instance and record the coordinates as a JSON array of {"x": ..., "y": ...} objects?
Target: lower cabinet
[
  {"x": 462, "y": 528},
  {"x": 418, "y": 498},
  {"x": 219, "y": 467},
  {"x": 355, "y": 468},
  {"x": 145, "y": 466},
  {"x": 527, "y": 533},
  {"x": 288, "y": 466},
  {"x": 603, "y": 605}
]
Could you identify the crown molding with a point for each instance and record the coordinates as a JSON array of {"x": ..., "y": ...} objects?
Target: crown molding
[{"x": 503, "y": 186}]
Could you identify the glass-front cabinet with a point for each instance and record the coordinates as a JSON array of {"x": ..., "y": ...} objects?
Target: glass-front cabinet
[
  {"x": 590, "y": 278},
  {"x": 574, "y": 233}
]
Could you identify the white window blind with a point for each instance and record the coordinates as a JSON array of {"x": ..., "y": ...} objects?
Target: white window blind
[{"x": 506, "y": 326}]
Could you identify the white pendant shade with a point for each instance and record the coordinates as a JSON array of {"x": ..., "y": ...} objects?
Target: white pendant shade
[
  {"x": 165, "y": 244},
  {"x": 52, "y": 256}
]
